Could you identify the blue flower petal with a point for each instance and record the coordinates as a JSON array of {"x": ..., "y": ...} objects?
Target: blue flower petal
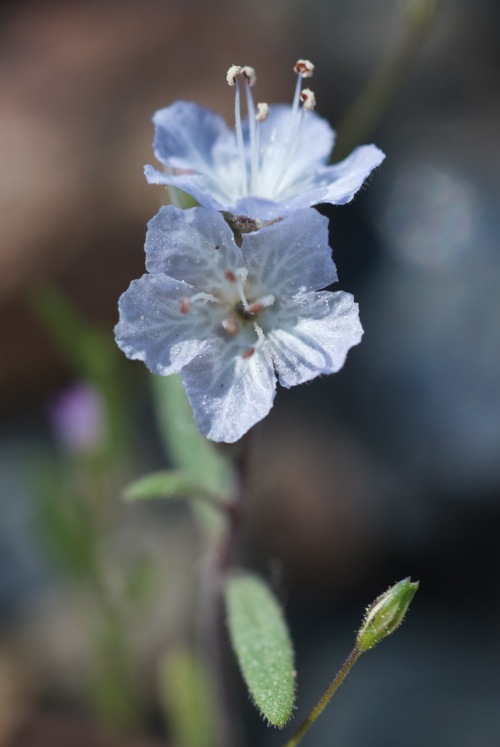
[
  {"x": 153, "y": 329},
  {"x": 291, "y": 256},
  {"x": 228, "y": 392},
  {"x": 188, "y": 136},
  {"x": 200, "y": 155},
  {"x": 194, "y": 245},
  {"x": 312, "y": 335}
]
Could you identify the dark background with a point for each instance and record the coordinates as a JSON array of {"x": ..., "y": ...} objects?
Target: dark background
[{"x": 390, "y": 468}]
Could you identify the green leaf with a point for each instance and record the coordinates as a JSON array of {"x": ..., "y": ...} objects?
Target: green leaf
[
  {"x": 204, "y": 463},
  {"x": 186, "y": 698},
  {"x": 261, "y": 642},
  {"x": 191, "y": 452},
  {"x": 166, "y": 484}
]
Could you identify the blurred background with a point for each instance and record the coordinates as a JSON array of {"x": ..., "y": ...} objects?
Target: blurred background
[{"x": 390, "y": 468}]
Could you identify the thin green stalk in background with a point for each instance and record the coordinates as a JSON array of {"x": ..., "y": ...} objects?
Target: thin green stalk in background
[{"x": 388, "y": 76}]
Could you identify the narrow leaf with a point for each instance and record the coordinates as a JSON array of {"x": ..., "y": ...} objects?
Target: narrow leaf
[
  {"x": 261, "y": 642},
  {"x": 189, "y": 450},
  {"x": 91, "y": 352},
  {"x": 186, "y": 698},
  {"x": 165, "y": 484}
]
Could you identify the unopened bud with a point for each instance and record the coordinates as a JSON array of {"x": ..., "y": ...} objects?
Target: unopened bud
[{"x": 386, "y": 614}]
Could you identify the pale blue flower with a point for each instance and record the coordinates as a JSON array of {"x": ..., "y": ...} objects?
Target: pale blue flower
[
  {"x": 271, "y": 164},
  {"x": 232, "y": 320}
]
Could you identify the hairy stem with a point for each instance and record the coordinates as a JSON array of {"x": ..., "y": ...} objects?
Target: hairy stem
[
  {"x": 326, "y": 697},
  {"x": 224, "y": 558}
]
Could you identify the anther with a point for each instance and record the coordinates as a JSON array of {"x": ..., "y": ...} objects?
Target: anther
[
  {"x": 262, "y": 112},
  {"x": 256, "y": 307},
  {"x": 244, "y": 224},
  {"x": 305, "y": 68},
  {"x": 308, "y": 99},
  {"x": 229, "y": 275},
  {"x": 248, "y": 73},
  {"x": 230, "y": 326},
  {"x": 248, "y": 353},
  {"x": 185, "y": 305},
  {"x": 262, "y": 303},
  {"x": 232, "y": 74}
]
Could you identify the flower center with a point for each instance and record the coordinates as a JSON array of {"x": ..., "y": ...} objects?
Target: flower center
[
  {"x": 263, "y": 169},
  {"x": 235, "y": 307},
  {"x": 245, "y": 313}
]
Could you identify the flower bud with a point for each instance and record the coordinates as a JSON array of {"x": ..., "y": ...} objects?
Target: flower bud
[{"x": 386, "y": 614}]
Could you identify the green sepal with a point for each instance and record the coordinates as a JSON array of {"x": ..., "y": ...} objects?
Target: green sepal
[
  {"x": 386, "y": 613},
  {"x": 261, "y": 642}
]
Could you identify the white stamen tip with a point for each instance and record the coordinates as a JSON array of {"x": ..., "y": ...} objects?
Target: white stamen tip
[
  {"x": 262, "y": 112},
  {"x": 232, "y": 74},
  {"x": 249, "y": 73},
  {"x": 308, "y": 99},
  {"x": 304, "y": 68}
]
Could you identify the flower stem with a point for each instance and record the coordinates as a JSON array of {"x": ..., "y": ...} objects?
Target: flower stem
[
  {"x": 326, "y": 697},
  {"x": 224, "y": 558}
]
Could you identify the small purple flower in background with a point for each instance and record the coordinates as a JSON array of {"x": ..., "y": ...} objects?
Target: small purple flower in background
[
  {"x": 231, "y": 320},
  {"x": 78, "y": 419},
  {"x": 272, "y": 164}
]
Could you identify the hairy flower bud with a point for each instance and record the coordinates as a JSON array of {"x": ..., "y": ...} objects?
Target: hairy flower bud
[{"x": 386, "y": 614}]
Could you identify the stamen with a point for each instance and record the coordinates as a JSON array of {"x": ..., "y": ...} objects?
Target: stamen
[
  {"x": 263, "y": 171},
  {"x": 250, "y": 78},
  {"x": 261, "y": 303},
  {"x": 249, "y": 73},
  {"x": 305, "y": 68},
  {"x": 232, "y": 74},
  {"x": 244, "y": 224},
  {"x": 255, "y": 308},
  {"x": 260, "y": 336},
  {"x": 242, "y": 276},
  {"x": 204, "y": 297},
  {"x": 262, "y": 111},
  {"x": 229, "y": 275},
  {"x": 185, "y": 305},
  {"x": 248, "y": 353},
  {"x": 232, "y": 78},
  {"x": 230, "y": 326},
  {"x": 261, "y": 116},
  {"x": 308, "y": 99}
]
